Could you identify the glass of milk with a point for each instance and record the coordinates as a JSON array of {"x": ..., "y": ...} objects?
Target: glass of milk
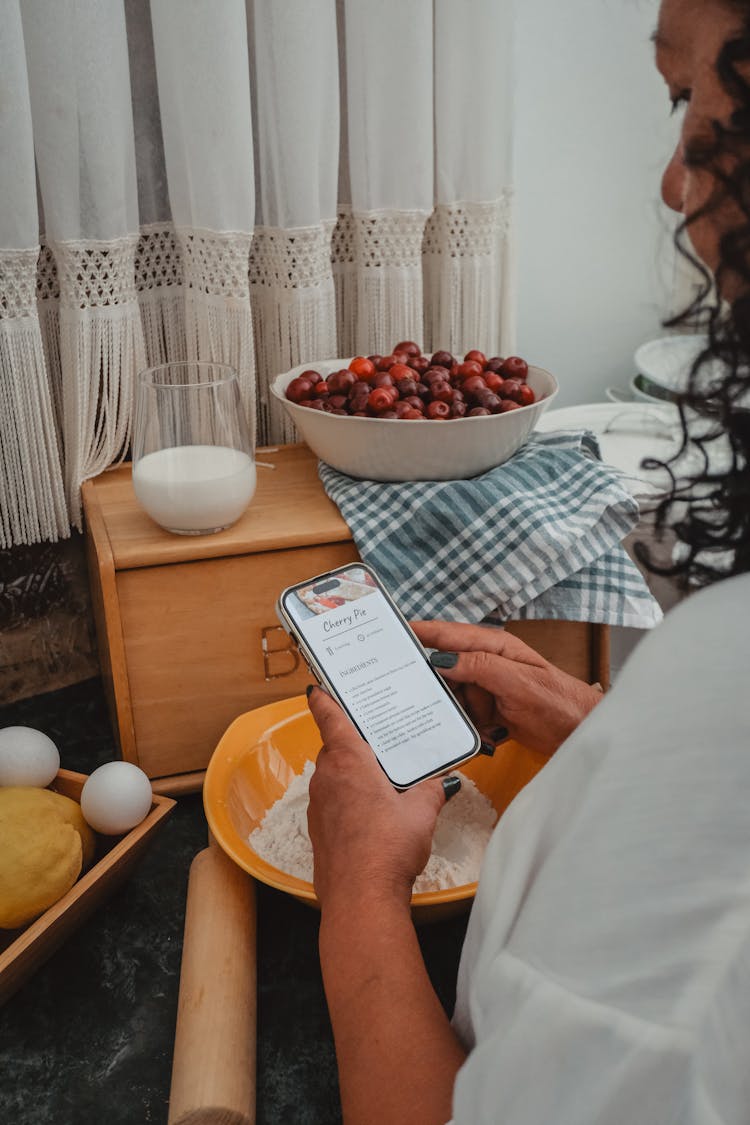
[{"x": 193, "y": 458}]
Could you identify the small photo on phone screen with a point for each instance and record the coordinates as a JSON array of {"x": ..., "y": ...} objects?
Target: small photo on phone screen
[{"x": 323, "y": 596}]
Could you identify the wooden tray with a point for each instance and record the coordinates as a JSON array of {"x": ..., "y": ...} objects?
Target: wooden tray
[{"x": 23, "y": 951}]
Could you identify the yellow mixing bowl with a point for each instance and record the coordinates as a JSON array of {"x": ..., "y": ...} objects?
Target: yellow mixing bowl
[{"x": 264, "y": 749}]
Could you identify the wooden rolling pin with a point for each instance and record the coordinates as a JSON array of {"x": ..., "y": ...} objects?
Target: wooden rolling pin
[{"x": 213, "y": 1069}]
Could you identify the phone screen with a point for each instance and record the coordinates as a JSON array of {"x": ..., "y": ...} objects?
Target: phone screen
[{"x": 380, "y": 673}]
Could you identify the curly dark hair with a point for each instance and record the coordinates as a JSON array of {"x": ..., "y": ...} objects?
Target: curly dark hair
[{"x": 710, "y": 511}]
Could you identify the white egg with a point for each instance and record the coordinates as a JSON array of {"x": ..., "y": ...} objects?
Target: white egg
[
  {"x": 115, "y": 798},
  {"x": 27, "y": 757}
]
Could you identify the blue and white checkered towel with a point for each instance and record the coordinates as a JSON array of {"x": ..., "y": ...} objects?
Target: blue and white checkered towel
[{"x": 537, "y": 537}]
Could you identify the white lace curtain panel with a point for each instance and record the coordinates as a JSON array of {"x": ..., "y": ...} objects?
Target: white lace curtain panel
[{"x": 255, "y": 182}]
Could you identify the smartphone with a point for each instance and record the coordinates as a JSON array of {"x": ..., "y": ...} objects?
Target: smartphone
[{"x": 361, "y": 649}]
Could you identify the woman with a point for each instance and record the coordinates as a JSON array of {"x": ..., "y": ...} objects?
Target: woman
[{"x": 606, "y": 971}]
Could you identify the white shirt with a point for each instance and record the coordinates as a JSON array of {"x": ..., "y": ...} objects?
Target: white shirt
[{"x": 606, "y": 971}]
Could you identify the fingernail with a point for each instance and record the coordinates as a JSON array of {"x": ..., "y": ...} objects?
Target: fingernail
[
  {"x": 451, "y": 786},
  {"x": 444, "y": 659},
  {"x": 309, "y": 690}
]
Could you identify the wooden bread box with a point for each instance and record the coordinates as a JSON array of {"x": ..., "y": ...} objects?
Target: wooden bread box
[{"x": 187, "y": 630}]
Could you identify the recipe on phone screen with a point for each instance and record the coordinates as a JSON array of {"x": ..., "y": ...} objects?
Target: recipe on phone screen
[{"x": 391, "y": 692}]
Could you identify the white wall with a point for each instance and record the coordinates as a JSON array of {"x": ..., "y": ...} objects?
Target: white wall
[{"x": 592, "y": 135}]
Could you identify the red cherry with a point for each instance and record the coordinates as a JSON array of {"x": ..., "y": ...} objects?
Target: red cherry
[
  {"x": 467, "y": 369},
  {"x": 375, "y": 359},
  {"x": 442, "y": 359},
  {"x": 475, "y": 356},
  {"x": 386, "y": 363},
  {"x": 438, "y": 410},
  {"x": 415, "y": 402},
  {"x": 508, "y": 404},
  {"x": 362, "y": 367},
  {"x": 441, "y": 373},
  {"x": 515, "y": 368},
  {"x": 340, "y": 381},
  {"x": 400, "y": 371},
  {"x": 419, "y": 363},
  {"x": 314, "y": 404},
  {"x": 408, "y": 347},
  {"x": 458, "y": 409},
  {"x": 337, "y": 402},
  {"x": 478, "y": 412},
  {"x": 407, "y": 387},
  {"x": 494, "y": 381},
  {"x": 379, "y": 400},
  {"x": 321, "y": 390},
  {"x": 313, "y": 376},
  {"x": 510, "y": 389},
  {"x": 441, "y": 392},
  {"x": 412, "y": 415},
  {"x": 525, "y": 395},
  {"x": 388, "y": 414},
  {"x": 298, "y": 389},
  {"x": 403, "y": 409},
  {"x": 473, "y": 384},
  {"x": 488, "y": 400},
  {"x": 383, "y": 379},
  {"x": 494, "y": 363}
]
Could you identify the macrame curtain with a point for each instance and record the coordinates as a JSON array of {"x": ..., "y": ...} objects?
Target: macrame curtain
[{"x": 247, "y": 181}]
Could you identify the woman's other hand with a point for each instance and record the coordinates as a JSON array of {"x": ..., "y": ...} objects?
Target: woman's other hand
[
  {"x": 503, "y": 682},
  {"x": 368, "y": 839}
]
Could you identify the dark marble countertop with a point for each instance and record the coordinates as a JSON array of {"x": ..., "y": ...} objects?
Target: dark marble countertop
[{"x": 89, "y": 1038}]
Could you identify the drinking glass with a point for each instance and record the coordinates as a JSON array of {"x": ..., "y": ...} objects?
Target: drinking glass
[{"x": 193, "y": 459}]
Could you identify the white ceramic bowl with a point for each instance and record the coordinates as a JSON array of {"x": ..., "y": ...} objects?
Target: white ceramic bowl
[
  {"x": 664, "y": 365},
  {"x": 391, "y": 449},
  {"x": 660, "y": 398}
]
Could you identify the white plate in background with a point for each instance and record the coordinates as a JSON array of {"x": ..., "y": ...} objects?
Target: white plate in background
[{"x": 627, "y": 433}]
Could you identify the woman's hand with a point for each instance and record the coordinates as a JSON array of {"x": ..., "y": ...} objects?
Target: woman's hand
[
  {"x": 368, "y": 839},
  {"x": 507, "y": 683}
]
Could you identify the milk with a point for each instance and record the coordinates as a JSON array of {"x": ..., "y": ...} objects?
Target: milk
[{"x": 195, "y": 488}]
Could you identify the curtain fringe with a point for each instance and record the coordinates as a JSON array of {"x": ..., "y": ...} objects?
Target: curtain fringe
[
  {"x": 345, "y": 289},
  {"x": 468, "y": 278},
  {"x": 220, "y": 330},
  {"x": 49, "y": 325},
  {"x": 292, "y": 326},
  {"x": 462, "y": 301},
  {"x": 389, "y": 305},
  {"x": 163, "y": 322},
  {"x": 32, "y": 495},
  {"x": 101, "y": 348}
]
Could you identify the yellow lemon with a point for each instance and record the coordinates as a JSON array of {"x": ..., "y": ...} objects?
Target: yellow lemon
[{"x": 41, "y": 852}]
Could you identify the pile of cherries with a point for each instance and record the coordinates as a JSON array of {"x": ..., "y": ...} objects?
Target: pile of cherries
[{"x": 407, "y": 384}]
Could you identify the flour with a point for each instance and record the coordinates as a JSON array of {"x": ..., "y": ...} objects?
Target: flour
[
  {"x": 282, "y": 837},
  {"x": 461, "y": 834}
]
